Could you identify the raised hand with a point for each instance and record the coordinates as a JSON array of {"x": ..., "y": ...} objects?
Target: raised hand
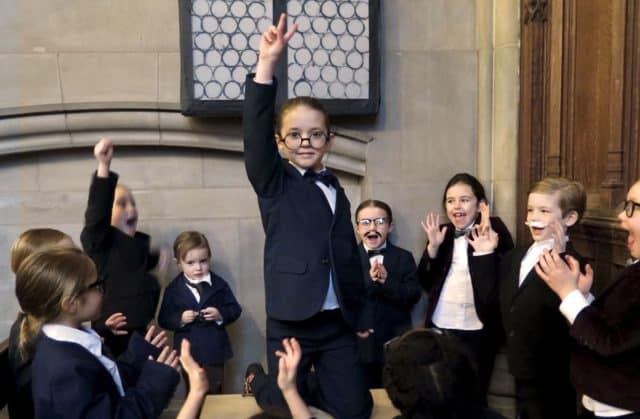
[
  {"x": 115, "y": 323},
  {"x": 198, "y": 381},
  {"x": 485, "y": 216},
  {"x": 483, "y": 239},
  {"x": 168, "y": 357},
  {"x": 559, "y": 236},
  {"x": 103, "y": 151},
  {"x": 156, "y": 336},
  {"x": 560, "y": 277},
  {"x": 435, "y": 235},
  {"x": 288, "y": 364},
  {"x": 272, "y": 43}
]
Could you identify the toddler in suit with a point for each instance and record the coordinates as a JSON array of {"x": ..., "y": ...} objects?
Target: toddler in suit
[
  {"x": 391, "y": 286},
  {"x": 198, "y": 305}
]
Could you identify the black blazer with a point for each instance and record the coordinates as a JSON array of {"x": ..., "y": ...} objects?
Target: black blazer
[
  {"x": 537, "y": 334},
  {"x": 121, "y": 260},
  {"x": 209, "y": 341},
  {"x": 391, "y": 302},
  {"x": 605, "y": 364},
  {"x": 69, "y": 382},
  {"x": 433, "y": 272},
  {"x": 305, "y": 241}
]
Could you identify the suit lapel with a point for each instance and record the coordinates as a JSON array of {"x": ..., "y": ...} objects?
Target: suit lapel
[{"x": 513, "y": 279}]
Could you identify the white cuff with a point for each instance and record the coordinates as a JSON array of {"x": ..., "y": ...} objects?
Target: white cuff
[
  {"x": 573, "y": 304},
  {"x": 482, "y": 253}
]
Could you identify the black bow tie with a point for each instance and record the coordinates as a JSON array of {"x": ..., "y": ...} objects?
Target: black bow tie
[
  {"x": 199, "y": 287},
  {"x": 326, "y": 176},
  {"x": 460, "y": 233},
  {"x": 375, "y": 252}
]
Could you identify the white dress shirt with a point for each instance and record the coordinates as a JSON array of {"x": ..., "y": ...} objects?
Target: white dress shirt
[
  {"x": 89, "y": 340},
  {"x": 456, "y": 307}
]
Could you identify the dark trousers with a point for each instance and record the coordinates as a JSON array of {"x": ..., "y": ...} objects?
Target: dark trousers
[
  {"x": 481, "y": 349},
  {"x": 373, "y": 374},
  {"x": 547, "y": 398},
  {"x": 328, "y": 345},
  {"x": 215, "y": 376}
]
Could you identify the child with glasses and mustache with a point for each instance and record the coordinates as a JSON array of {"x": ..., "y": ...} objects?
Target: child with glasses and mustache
[{"x": 390, "y": 282}]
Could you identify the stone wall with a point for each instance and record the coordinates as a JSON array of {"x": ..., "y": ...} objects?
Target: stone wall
[{"x": 117, "y": 61}]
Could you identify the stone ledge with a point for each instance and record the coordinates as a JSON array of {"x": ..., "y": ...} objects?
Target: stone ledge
[{"x": 141, "y": 127}]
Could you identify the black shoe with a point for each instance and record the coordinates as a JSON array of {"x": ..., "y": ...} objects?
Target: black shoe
[{"x": 249, "y": 375}]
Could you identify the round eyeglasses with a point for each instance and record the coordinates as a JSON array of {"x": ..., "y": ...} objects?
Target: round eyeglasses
[
  {"x": 367, "y": 222},
  {"x": 629, "y": 207},
  {"x": 316, "y": 139}
]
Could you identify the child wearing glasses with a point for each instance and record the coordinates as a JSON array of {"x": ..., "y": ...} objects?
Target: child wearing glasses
[
  {"x": 120, "y": 252},
  {"x": 391, "y": 286},
  {"x": 313, "y": 281},
  {"x": 461, "y": 303},
  {"x": 198, "y": 305},
  {"x": 605, "y": 358},
  {"x": 30, "y": 241},
  {"x": 58, "y": 290}
]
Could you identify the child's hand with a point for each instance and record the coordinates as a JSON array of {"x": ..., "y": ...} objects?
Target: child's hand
[
  {"x": 378, "y": 272},
  {"x": 435, "y": 236},
  {"x": 156, "y": 336},
  {"x": 198, "y": 381},
  {"x": 188, "y": 316},
  {"x": 363, "y": 334},
  {"x": 288, "y": 364},
  {"x": 485, "y": 216},
  {"x": 272, "y": 44},
  {"x": 115, "y": 322},
  {"x": 103, "y": 151},
  {"x": 211, "y": 314},
  {"x": 559, "y": 236},
  {"x": 585, "y": 281},
  {"x": 168, "y": 357},
  {"x": 483, "y": 240},
  {"x": 560, "y": 277}
]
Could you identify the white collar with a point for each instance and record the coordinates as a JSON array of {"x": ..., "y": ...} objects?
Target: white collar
[
  {"x": 83, "y": 336},
  {"x": 206, "y": 278},
  {"x": 383, "y": 246}
]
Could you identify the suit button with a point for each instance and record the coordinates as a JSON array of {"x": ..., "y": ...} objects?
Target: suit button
[{"x": 325, "y": 261}]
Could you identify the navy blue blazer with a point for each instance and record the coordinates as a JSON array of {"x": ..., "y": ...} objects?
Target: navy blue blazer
[
  {"x": 209, "y": 341},
  {"x": 69, "y": 382},
  {"x": 390, "y": 302},
  {"x": 305, "y": 241},
  {"x": 121, "y": 260}
]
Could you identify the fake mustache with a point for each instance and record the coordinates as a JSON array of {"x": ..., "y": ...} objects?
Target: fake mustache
[
  {"x": 535, "y": 224},
  {"x": 372, "y": 235}
]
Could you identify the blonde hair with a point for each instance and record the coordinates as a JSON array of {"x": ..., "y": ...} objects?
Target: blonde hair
[
  {"x": 189, "y": 240},
  {"x": 43, "y": 281},
  {"x": 32, "y": 240},
  {"x": 572, "y": 194}
]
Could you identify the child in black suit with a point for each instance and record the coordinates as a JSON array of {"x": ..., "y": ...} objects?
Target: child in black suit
[
  {"x": 537, "y": 335},
  {"x": 462, "y": 303},
  {"x": 313, "y": 281},
  {"x": 390, "y": 282},
  {"x": 58, "y": 290},
  {"x": 120, "y": 252},
  {"x": 198, "y": 305}
]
